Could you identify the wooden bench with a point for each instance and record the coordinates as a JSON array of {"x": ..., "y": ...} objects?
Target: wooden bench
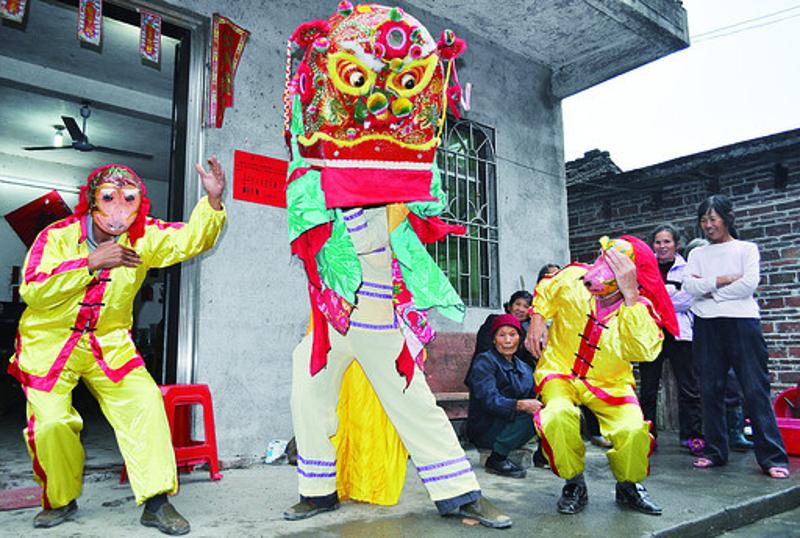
[{"x": 449, "y": 356}]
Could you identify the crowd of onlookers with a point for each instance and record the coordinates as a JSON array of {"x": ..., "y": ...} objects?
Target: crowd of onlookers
[{"x": 718, "y": 357}]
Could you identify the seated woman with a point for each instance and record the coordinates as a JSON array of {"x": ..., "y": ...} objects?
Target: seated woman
[
  {"x": 501, "y": 398},
  {"x": 518, "y": 305}
]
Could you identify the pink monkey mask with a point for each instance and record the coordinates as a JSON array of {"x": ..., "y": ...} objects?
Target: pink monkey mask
[
  {"x": 117, "y": 200},
  {"x": 600, "y": 279}
]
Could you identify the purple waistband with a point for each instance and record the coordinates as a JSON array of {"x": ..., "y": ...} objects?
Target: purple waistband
[{"x": 355, "y": 215}]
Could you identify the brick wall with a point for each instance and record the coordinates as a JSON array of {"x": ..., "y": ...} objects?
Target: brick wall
[{"x": 765, "y": 189}]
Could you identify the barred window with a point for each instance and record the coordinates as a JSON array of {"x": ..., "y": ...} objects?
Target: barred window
[{"x": 466, "y": 159}]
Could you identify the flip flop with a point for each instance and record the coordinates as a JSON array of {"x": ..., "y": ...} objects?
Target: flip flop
[
  {"x": 778, "y": 472},
  {"x": 703, "y": 463}
]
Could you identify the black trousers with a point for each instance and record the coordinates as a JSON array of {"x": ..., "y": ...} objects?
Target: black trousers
[
  {"x": 722, "y": 343},
  {"x": 690, "y": 411}
]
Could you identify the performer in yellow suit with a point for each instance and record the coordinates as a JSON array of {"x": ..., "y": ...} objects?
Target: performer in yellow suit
[
  {"x": 603, "y": 318},
  {"x": 80, "y": 279}
]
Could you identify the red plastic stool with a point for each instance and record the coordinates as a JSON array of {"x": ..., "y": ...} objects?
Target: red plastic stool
[{"x": 189, "y": 452}]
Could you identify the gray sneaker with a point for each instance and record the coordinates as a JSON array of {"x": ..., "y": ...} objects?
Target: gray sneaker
[
  {"x": 55, "y": 516},
  {"x": 486, "y": 513},
  {"x": 166, "y": 519}
]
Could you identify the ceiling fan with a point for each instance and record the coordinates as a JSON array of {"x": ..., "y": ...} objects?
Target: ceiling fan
[{"x": 80, "y": 141}]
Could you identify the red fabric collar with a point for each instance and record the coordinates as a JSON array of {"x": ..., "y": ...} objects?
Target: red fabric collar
[{"x": 652, "y": 286}]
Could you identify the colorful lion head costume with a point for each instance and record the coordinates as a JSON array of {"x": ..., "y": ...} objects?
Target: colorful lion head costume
[
  {"x": 364, "y": 110},
  {"x": 373, "y": 91}
]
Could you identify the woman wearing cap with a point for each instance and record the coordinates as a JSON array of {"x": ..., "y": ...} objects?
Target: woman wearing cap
[{"x": 501, "y": 398}]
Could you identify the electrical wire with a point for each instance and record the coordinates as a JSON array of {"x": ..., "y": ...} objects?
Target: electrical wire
[
  {"x": 702, "y": 40},
  {"x": 746, "y": 21}
]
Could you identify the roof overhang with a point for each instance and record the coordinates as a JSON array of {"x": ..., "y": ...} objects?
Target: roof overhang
[{"x": 582, "y": 42}]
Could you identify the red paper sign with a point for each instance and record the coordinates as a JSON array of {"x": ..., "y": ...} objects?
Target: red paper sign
[
  {"x": 35, "y": 216},
  {"x": 259, "y": 179}
]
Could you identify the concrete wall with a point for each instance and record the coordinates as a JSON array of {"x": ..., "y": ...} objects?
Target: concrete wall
[{"x": 253, "y": 300}]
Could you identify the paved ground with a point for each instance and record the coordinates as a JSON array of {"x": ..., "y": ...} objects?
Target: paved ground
[{"x": 249, "y": 502}]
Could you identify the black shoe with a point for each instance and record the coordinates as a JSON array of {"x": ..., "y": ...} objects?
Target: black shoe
[
  {"x": 307, "y": 508},
  {"x": 55, "y": 516},
  {"x": 634, "y": 495},
  {"x": 166, "y": 519},
  {"x": 486, "y": 513},
  {"x": 574, "y": 498},
  {"x": 501, "y": 465}
]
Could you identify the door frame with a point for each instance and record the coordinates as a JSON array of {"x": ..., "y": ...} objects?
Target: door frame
[{"x": 188, "y": 305}]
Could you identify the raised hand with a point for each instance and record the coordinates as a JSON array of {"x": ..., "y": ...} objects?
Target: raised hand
[
  {"x": 213, "y": 181},
  {"x": 109, "y": 255},
  {"x": 625, "y": 274}
]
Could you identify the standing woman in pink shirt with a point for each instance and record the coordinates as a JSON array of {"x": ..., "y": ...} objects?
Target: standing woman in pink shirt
[{"x": 727, "y": 333}]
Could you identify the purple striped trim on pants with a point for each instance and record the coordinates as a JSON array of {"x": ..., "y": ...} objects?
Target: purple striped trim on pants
[
  {"x": 447, "y": 476},
  {"x": 355, "y": 215},
  {"x": 377, "y": 285},
  {"x": 357, "y": 228},
  {"x": 315, "y": 475},
  {"x": 374, "y": 294},
  {"x": 441, "y": 464}
]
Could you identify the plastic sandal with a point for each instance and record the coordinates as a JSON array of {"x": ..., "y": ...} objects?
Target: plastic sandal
[
  {"x": 778, "y": 472},
  {"x": 703, "y": 463}
]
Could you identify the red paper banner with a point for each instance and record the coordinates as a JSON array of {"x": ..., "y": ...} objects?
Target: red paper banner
[
  {"x": 259, "y": 179},
  {"x": 150, "y": 36},
  {"x": 13, "y": 10},
  {"x": 227, "y": 44},
  {"x": 90, "y": 21},
  {"x": 34, "y": 216}
]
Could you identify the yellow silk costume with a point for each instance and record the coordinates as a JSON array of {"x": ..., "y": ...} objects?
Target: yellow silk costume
[
  {"x": 587, "y": 361},
  {"x": 77, "y": 325}
]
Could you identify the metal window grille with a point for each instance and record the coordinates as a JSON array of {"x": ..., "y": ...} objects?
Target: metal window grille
[{"x": 466, "y": 159}]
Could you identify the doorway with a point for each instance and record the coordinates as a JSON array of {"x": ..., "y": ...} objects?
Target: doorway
[{"x": 137, "y": 109}]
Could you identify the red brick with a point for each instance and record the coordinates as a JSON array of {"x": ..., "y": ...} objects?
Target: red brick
[
  {"x": 793, "y": 301},
  {"x": 788, "y": 327},
  {"x": 782, "y": 278}
]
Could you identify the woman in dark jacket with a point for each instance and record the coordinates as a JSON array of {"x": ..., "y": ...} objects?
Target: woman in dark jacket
[
  {"x": 518, "y": 305},
  {"x": 501, "y": 398}
]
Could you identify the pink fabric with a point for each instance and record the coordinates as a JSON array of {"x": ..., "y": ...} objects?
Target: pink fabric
[
  {"x": 31, "y": 273},
  {"x": 546, "y": 444},
  {"x": 550, "y": 377},
  {"x": 162, "y": 225},
  {"x": 608, "y": 398},
  {"x": 117, "y": 374},
  {"x": 37, "y": 466},
  {"x": 94, "y": 295},
  {"x": 351, "y": 187},
  {"x": 335, "y": 309}
]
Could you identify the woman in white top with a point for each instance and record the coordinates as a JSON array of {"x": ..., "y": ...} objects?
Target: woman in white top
[
  {"x": 665, "y": 239},
  {"x": 727, "y": 332}
]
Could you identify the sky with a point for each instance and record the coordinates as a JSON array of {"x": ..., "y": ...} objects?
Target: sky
[{"x": 721, "y": 90}]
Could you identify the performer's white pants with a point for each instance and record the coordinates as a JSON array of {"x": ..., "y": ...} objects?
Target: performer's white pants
[{"x": 422, "y": 425}]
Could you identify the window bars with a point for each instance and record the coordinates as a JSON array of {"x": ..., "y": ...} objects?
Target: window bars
[{"x": 466, "y": 159}]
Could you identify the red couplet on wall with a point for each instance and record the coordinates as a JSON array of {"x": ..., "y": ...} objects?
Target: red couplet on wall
[{"x": 259, "y": 179}]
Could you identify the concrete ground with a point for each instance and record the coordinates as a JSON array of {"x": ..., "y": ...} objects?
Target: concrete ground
[{"x": 249, "y": 501}]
